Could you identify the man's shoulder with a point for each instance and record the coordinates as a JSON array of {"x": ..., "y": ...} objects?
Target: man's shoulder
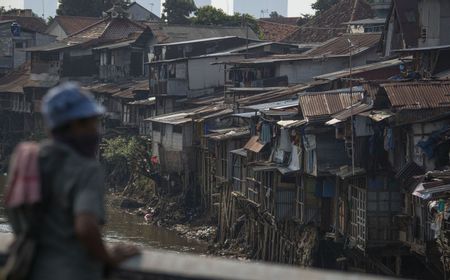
[{"x": 61, "y": 153}]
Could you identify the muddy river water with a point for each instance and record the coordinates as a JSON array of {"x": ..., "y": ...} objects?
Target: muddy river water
[{"x": 122, "y": 227}]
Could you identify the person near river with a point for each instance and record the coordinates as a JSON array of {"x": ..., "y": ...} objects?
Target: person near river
[{"x": 55, "y": 195}]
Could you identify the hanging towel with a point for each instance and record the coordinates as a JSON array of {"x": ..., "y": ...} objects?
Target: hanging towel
[{"x": 24, "y": 182}]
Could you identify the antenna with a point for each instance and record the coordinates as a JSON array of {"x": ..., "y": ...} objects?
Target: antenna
[
  {"x": 151, "y": 6},
  {"x": 43, "y": 9},
  {"x": 264, "y": 12}
]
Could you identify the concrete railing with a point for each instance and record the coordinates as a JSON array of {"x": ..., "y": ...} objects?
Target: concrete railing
[{"x": 156, "y": 264}]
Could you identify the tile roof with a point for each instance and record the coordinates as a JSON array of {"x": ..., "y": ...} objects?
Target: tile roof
[
  {"x": 73, "y": 24},
  {"x": 35, "y": 24},
  {"x": 276, "y": 32},
  {"x": 283, "y": 20},
  {"x": 328, "y": 24},
  {"x": 317, "y": 105},
  {"x": 108, "y": 30},
  {"x": 418, "y": 95},
  {"x": 341, "y": 45}
]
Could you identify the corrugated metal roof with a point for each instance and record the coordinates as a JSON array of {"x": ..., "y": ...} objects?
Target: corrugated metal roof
[
  {"x": 352, "y": 111},
  {"x": 254, "y": 145},
  {"x": 360, "y": 69},
  {"x": 419, "y": 95},
  {"x": 230, "y": 133},
  {"x": 291, "y": 123},
  {"x": 190, "y": 115},
  {"x": 278, "y": 105},
  {"x": 325, "y": 104},
  {"x": 168, "y": 33},
  {"x": 145, "y": 102},
  {"x": 342, "y": 46},
  {"x": 241, "y": 152}
]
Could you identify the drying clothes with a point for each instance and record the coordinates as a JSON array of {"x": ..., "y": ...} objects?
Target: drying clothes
[
  {"x": 266, "y": 133},
  {"x": 294, "y": 165},
  {"x": 24, "y": 182},
  {"x": 309, "y": 141},
  {"x": 285, "y": 141},
  {"x": 389, "y": 140}
]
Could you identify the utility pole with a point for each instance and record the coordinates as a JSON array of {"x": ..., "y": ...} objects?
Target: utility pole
[{"x": 351, "y": 105}]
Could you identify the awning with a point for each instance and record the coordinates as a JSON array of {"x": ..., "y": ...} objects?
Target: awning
[
  {"x": 333, "y": 122},
  {"x": 291, "y": 123},
  {"x": 239, "y": 152},
  {"x": 377, "y": 116}
]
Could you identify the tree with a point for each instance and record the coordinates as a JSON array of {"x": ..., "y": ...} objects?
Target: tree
[
  {"x": 178, "y": 11},
  {"x": 275, "y": 14},
  {"x": 92, "y": 8},
  {"x": 304, "y": 18},
  {"x": 208, "y": 15},
  {"x": 323, "y": 5}
]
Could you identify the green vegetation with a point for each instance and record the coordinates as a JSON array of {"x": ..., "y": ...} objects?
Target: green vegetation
[
  {"x": 178, "y": 11},
  {"x": 88, "y": 8},
  {"x": 323, "y": 5},
  {"x": 126, "y": 160}
]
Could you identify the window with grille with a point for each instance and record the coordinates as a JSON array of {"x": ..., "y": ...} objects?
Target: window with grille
[{"x": 358, "y": 198}]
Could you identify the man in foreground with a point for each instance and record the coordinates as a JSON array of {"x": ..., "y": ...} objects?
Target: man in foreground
[{"x": 64, "y": 220}]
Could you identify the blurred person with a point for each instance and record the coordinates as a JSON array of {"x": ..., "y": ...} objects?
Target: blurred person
[{"x": 55, "y": 195}]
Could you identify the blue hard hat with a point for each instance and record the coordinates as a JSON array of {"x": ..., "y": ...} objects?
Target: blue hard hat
[{"x": 68, "y": 102}]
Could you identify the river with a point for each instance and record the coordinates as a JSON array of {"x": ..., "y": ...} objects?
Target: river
[{"x": 122, "y": 227}]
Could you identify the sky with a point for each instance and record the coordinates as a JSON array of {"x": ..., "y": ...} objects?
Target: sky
[{"x": 295, "y": 7}]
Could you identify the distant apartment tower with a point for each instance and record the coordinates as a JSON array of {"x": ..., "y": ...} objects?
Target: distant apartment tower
[
  {"x": 262, "y": 8},
  {"x": 45, "y": 8},
  {"x": 381, "y": 8}
]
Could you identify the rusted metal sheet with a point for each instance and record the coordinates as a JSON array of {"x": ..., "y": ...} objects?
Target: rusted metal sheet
[
  {"x": 419, "y": 95},
  {"x": 254, "y": 145},
  {"x": 321, "y": 104},
  {"x": 342, "y": 44}
]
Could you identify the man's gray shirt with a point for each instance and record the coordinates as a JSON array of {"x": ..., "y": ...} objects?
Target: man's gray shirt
[{"x": 76, "y": 187}]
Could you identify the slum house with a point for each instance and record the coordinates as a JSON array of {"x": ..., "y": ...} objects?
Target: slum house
[
  {"x": 175, "y": 80},
  {"x": 176, "y": 138},
  {"x": 334, "y": 55},
  {"x": 421, "y": 125},
  {"x": 386, "y": 136},
  {"x": 322, "y": 154},
  {"x": 13, "y": 110},
  {"x": 216, "y": 163},
  {"x": 171, "y": 33},
  {"x": 368, "y": 25},
  {"x": 17, "y": 34},
  {"x": 402, "y": 27},
  {"x": 137, "y": 106},
  {"x": 139, "y": 13},
  {"x": 379, "y": 71},
  {"x": 257, "y": 196},
  {"x": 124, "y": 59},
  {"x": 127, "y": 105},
  {"x": 63, "y": 26},
  {"x": 74, "y": 58}
]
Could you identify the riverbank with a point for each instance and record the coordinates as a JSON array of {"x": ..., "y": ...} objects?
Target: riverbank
[{"x": 171, "y": 213}]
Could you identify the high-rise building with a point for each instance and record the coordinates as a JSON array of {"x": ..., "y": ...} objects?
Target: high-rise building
[{"x": 263, "y": 8}]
